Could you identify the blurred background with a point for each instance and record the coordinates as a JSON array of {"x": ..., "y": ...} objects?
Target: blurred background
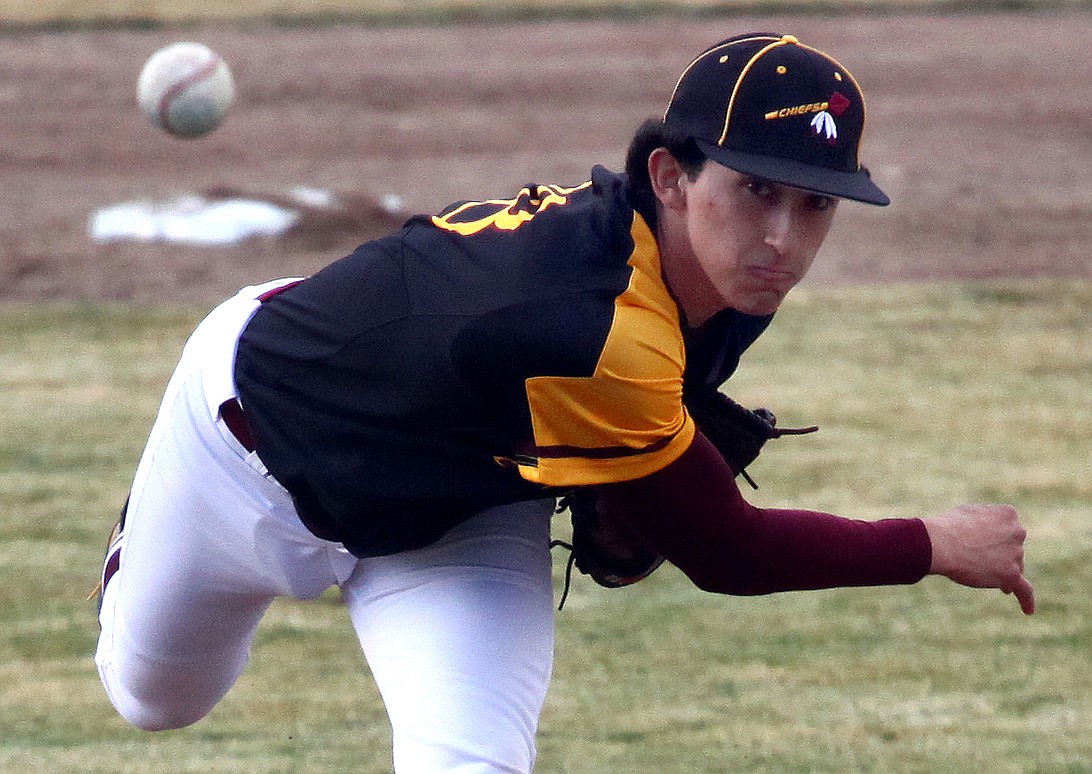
[{"x": 944, "y": 345}]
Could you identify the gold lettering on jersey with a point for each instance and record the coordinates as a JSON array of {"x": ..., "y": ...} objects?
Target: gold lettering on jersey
[
  {"x": 504, "y": 214},
  {"x": 799, "y": 110}
]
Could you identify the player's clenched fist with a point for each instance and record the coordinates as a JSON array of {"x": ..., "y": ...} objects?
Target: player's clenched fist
[{"x": 982, "y": 546}]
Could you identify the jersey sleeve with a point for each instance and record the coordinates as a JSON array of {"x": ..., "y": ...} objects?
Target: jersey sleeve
[{"x": 625, "y": 420}]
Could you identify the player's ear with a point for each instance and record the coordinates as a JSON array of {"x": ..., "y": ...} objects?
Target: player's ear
[{"x": 668, "y": 178}]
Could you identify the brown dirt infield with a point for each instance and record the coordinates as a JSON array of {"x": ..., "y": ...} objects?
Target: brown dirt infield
[{"x": 980, "y": 129}]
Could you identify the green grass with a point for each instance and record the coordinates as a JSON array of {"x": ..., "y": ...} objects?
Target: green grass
[{"x": 927, "y": 396}]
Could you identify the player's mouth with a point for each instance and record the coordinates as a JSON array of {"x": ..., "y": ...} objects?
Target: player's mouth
[{"x": 771, "y": 275}]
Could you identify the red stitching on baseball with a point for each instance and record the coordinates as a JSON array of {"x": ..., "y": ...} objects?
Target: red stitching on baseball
[{"x": 198, "y": 76}]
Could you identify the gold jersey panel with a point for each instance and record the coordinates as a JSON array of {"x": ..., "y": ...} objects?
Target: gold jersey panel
[{"x": 626, "y": 420}]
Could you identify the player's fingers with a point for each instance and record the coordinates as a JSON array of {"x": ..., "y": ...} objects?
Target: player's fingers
[{"x": 1025, "y": 595}]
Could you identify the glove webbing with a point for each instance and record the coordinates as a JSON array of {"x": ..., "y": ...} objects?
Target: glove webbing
[
  {"x": 738, "y": 433},
  {"x": 778, "y": 432}
]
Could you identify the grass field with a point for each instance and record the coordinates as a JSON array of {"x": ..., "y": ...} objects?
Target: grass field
[{"x": 927, "y": 395}]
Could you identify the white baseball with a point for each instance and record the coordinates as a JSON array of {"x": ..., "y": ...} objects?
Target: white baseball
[{"x": 185, "y": 89}]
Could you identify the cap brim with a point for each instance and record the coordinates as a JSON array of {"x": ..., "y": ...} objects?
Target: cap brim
[{"x": 810, "y": 177}]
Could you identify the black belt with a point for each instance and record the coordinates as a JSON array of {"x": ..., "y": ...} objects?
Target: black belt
[{"x": 231, "y": 411}]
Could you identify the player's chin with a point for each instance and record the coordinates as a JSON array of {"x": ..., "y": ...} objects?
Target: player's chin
[{"x": 758, "y": 301}]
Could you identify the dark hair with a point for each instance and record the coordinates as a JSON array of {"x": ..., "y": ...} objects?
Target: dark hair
[{"x": 650, "y": 135}]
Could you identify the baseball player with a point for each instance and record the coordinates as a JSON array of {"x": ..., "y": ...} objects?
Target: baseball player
[{"x": 401, "y": 423}]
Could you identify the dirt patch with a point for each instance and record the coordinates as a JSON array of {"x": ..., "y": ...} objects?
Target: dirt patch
[{"x": 978, "y": 128}]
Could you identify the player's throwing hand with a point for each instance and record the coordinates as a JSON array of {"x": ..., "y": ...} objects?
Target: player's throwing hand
[{"x": 982, "y": 546}]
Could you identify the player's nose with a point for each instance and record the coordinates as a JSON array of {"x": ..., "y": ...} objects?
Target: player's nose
[{"x": 783, "y": 232}]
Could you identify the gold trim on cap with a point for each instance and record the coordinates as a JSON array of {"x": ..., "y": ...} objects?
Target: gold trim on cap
[
  {"x": 784, "y": 40},
  {"x": 860, "y": 94},
  {"x": 702, "y": 56},
  {"x": 739, "y": 82}
]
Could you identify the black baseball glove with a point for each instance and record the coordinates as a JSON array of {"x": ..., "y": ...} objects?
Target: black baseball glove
[{"x": 601, "y": 547}]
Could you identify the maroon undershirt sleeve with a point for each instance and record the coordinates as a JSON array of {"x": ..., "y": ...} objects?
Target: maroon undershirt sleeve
[{"x": 693, "y": 513}]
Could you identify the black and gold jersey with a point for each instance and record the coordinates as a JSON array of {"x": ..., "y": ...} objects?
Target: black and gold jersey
[{"x": 499, "y": 351}]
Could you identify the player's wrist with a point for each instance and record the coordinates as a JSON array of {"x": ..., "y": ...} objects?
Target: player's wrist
[{"x": 937, "y": 531}]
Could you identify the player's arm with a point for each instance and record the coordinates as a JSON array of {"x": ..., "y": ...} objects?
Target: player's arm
[{"x": 693, "y": 513}]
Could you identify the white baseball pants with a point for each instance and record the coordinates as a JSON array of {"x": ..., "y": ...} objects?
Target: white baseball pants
[{"x": 459, "y": 636}]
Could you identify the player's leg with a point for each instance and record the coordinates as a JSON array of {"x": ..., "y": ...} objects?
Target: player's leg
[
  {"x": 208, "y": 542},
  {"x": 174, "y": 635},
  {"x": 459, "y": 637}
]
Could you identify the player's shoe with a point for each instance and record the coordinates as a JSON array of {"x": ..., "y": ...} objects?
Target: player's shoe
[{"x": 112, "y": 561}]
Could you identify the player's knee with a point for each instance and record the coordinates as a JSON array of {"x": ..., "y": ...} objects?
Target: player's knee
[
  {"x": 160, "y": 712},
  {"x": 148, "y": 717},
  {"x": 156, "y": 705}
]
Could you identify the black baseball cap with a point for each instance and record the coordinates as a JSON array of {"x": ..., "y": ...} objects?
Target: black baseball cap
[{"x": 767, "y": 105}]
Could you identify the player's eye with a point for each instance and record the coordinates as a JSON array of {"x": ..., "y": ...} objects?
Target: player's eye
[
  {"x": 820, "y": 203},
  {"x": 759, "y": 187}
]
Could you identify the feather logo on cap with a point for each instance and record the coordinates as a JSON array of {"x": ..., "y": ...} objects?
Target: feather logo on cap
[{"x": 824, "y": 123}]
